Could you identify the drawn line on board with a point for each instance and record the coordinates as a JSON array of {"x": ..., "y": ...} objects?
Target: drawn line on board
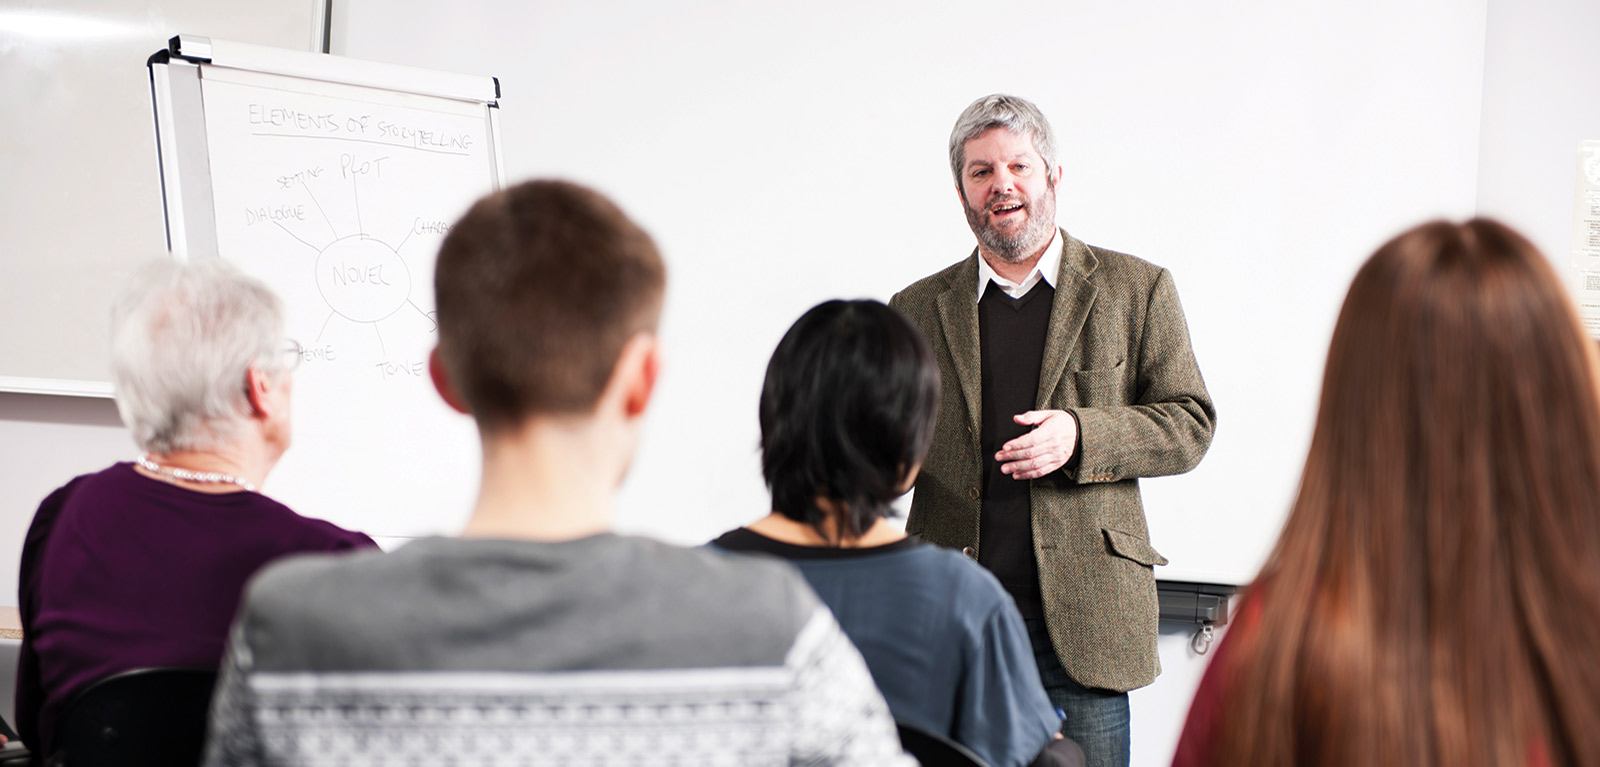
[
  {"x": 319, "y": 209},
  {"x": 355, "y": 189},
  {"x": 292, "y": 234},
  {"x": 324, "y": 328},
  {"x": 381, "y": 347},
  {"x": 425, "y": 316},
  {"x": 403, "y": 241},
  {"x": 366, "y": 141}
]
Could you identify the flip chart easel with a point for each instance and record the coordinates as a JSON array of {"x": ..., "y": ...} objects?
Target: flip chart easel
[{"x": 334, "y": 181}]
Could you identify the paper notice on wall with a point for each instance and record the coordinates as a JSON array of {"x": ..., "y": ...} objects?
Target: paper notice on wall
[{"x": 1586, "y": 236}]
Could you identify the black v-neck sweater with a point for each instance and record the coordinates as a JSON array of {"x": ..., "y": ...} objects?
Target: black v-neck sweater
[{"x": 1011, "y": 336}]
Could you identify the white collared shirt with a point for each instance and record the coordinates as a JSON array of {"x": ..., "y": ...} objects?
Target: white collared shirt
[{"x": 1046, "y": 269}]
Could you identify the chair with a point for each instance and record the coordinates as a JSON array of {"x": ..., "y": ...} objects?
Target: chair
[
  {"x": 936, "y": 750},
  {"x": 13, "y": 752},
  {"x": 152, "y": 717}
]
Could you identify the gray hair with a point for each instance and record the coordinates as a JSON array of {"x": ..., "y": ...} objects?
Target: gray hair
[
  {"x": 183, "y": 336},
  {"x": 998, "y": 110}
]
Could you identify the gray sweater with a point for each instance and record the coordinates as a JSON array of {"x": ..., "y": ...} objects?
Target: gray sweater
[{"x": 600, "y": 651}]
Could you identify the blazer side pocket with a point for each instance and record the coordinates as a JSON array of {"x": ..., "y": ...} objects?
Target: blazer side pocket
[{"x": 1134, "y": 547}]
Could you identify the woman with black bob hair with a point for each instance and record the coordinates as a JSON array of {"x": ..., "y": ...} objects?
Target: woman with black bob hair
[{"x": 847, "y": 412}]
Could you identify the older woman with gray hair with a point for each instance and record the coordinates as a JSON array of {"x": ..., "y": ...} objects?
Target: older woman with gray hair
[{"x": 142, "y": 564}]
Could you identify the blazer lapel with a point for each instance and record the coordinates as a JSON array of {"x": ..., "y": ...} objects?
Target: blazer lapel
[
  {"x": 958, "y": 314},
  {"x": 1070, "y": 308}
]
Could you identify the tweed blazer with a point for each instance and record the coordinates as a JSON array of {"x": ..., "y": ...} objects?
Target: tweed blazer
[{"x": 1117, "y": 355}]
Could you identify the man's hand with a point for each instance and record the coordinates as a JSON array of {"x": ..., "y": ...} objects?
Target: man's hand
[{"x": 1047, "y": 448}]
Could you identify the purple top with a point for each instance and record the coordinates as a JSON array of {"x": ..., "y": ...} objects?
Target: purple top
[{"x": 121, "y": 571}]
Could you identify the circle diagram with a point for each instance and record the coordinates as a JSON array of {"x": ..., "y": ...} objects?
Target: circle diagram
[{"x": 363, "y": 279}]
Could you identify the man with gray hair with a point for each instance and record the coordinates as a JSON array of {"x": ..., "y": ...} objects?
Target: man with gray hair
[{"x": 1067, "y": 375}]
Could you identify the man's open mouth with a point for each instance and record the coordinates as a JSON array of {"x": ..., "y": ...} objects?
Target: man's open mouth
[{"x": 1002, "y": 208}]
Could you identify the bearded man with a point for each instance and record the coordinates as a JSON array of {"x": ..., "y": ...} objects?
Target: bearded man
[{"x": 1067, "y": 375}]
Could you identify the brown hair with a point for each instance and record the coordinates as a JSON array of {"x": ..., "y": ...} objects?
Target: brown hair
[
  {"x": 1434, "y": 598},
  {"x": 539, "y": 286}
]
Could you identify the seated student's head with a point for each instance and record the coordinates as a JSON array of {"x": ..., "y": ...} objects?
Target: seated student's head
[
  {"x": 847, "y": 412},
  {"x": 201, "y": 363},
  {"x": 548, "y": 298},
  {"x": 1435, "y": 595}
]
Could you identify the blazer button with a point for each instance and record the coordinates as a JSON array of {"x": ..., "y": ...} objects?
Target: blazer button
[
  {"x": 972, "y": 492},
  {"x": 970, "y": 553}
]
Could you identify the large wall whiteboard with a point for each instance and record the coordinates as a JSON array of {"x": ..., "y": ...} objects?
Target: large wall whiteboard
[
  {"x": 81, "y": 206},
  {"x": 335, "y": 181}
]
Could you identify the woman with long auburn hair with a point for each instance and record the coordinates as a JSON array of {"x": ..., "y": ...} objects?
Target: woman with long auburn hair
[{"x": 1434, "y": 598}]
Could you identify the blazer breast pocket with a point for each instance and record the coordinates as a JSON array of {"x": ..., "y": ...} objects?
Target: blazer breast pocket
[{"x": 1099, "y": 387}]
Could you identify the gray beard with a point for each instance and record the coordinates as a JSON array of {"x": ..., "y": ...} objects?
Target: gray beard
[{"x": 1018, "y": 246}]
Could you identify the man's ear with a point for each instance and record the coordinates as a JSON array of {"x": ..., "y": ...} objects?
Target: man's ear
[
  {"x": 442, "y": 384},
  {"x": 1055, "y": 175},
  {"x": 256, "y": 385},
  {"x": 633, "y": 380}
]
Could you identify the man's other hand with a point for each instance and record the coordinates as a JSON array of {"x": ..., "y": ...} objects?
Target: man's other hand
[{"x": 1047, "y": 448}]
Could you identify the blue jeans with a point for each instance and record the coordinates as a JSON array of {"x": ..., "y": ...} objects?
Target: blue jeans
[{"x": 1096, "y": 719}]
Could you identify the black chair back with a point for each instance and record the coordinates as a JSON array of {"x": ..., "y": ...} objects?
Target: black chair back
[
  {"x": 13, "y": 752},
  {"x": 936, "y": 750},
  {"x": 149, "y": 716}
]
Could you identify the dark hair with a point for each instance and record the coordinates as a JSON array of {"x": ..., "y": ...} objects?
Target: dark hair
[
  {"x": 847, "y": 410},
  {"x": 539, "y": 286},
  {"x": 1433, "y": 598}
]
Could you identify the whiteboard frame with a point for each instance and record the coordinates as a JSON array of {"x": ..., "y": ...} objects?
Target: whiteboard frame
[
  {"x": 65, "y": 387},
  {"x": 182, "y": 149}
]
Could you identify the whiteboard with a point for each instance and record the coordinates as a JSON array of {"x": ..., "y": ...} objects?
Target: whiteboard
[
  {"x": 81, "y": 209},
  {"x": 335, "y": 181}
]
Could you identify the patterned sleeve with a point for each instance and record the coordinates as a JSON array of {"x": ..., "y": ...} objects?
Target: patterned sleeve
[
  {"x": 232, "y": 739},
  {"x": 840, "y": 717}
]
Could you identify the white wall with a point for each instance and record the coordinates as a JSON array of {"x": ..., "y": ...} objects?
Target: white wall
[
  {"x": 1541, "y": 97},
  {"x": 1159, "y": 710},
  {"x": 45, "y": 441},
  {"x": 784, "y": 153}
]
